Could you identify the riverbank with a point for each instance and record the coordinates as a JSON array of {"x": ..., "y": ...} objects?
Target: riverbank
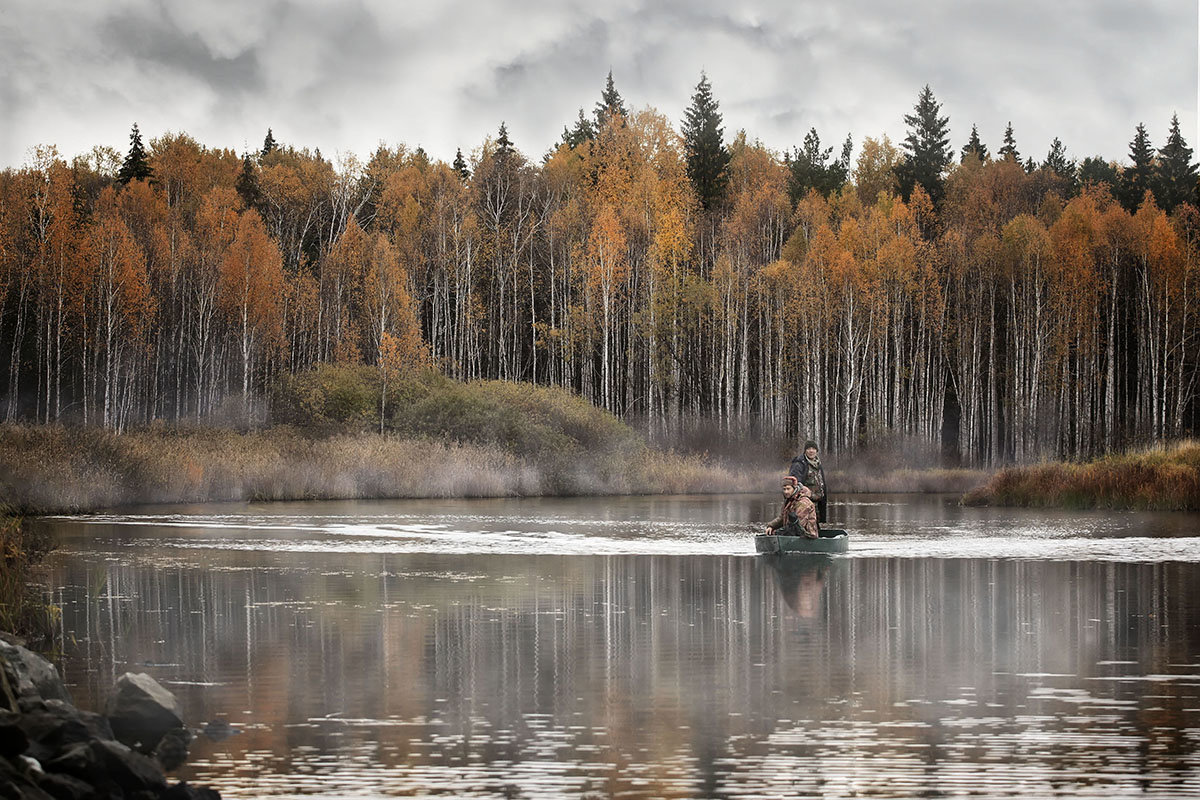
[
  {"x": 1163, "y": 478},
  {"x": 60, "y": 470}
]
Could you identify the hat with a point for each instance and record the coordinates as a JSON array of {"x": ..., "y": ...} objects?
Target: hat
[
  {"x": 812, "y": 444},
  {"x": 790, "y": 480}
]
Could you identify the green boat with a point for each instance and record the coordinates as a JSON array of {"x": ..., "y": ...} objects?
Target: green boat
[{"x": 832, "y": 540}]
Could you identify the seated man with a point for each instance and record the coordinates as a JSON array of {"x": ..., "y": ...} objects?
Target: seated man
[{"x": 798, "y": 517}]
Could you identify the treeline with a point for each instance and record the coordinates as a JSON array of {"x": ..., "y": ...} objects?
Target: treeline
[{"x": 986, "y": 306}]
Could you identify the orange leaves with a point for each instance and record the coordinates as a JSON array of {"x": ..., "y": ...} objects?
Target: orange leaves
[
  {"x": 251, "y": 284},
  {"x": 607, "y": 261}
]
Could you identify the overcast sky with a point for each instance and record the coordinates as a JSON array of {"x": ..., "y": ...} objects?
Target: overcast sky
[{"x": 345, "y": 76}]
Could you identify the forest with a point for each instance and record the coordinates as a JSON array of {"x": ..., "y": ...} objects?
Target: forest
[{"x": 970, "y": 306}]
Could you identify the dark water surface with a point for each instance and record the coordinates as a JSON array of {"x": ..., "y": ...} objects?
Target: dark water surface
[{"x": 635, "y": 647}]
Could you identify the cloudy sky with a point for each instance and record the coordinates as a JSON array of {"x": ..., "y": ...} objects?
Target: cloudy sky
[{"x": 442, "y": 74}]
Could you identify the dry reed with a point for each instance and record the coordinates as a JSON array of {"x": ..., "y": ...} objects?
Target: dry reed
[{"x": 1165, "y": 477}]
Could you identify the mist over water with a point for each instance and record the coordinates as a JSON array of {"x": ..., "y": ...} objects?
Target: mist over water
[{"x": 597, "y": 647}]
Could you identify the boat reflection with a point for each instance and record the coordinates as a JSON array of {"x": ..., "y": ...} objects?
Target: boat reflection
[{"x": 802, "y": 579}]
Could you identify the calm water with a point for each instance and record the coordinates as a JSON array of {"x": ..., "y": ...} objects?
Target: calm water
[{"x": 635, "y": 647}]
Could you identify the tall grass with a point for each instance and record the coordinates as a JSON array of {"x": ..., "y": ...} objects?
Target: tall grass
[
  {"x": 23, "y": 607},
  {"x": 1165, "y": 477}
]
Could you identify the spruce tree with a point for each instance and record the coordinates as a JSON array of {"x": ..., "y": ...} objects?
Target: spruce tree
[
  {"x": 1009, "y": 150},
  {"x": 504, "y": 145},
  {"x": 1056, "y": 161},
  {"x": 1138, "y": 178},
  {"x": 1175, "y": 179},
  {"x": 136, "y": 166},
  {"x": 707, "y": 156},
  {"x": 809, "y": 167},
  {"x": 1095, "y": 171},
  {"x": 610, "y": 103},
  {"x": 928, "y": 148},
  {"x": 974, "y": 147},
  {"x": 460, "y": 165},
  {"x": 583, "y": 131},
  {"x": 1030, "y": 165},
  {"x": 269, "y": 145},
  {"x": 247, "y": 183}
]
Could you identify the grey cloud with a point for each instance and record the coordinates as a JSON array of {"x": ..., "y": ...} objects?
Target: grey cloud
[
  {"x": 157, "y": 43},
  {"x": 345, "y": 76}
]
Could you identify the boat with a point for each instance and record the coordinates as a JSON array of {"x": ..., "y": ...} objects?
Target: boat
[{"x": 832, "y": 540}]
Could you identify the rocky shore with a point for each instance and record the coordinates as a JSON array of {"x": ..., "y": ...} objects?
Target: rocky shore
[{"x": 51, "y": 750}]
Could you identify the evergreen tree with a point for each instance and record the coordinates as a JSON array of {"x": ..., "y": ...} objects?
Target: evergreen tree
[
  {"x": 610, "y": 103},
  {"x": 583, "y": 131},
  {"x": 504, "y": 145},
  {"x": 1056, "y": 161},
  {"x": 1030, "y": 165},
  {"x": 1009, "y": 150},
  {"x": 247, "y": 183},
  {"x": 269, "y": 145},
  {"x": 1095, "y": 171},
  {"x": 1176, "y": 174},
  {"x": 809, "y": 167},
  {"x": 928, "y": 148},
  {"x": 1138, "y": 178},
  {"x": 460, "y": 165},
  {"x": 136, "y": 166},
  {"x": 974, "y": 147},
  {"x": 707, "y": 156}
]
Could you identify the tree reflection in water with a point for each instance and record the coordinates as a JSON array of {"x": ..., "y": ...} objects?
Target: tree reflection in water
[{"x": 654, "y": 676}]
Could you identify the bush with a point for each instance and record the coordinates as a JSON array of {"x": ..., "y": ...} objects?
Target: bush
[{"x": 1163, "y": 478}]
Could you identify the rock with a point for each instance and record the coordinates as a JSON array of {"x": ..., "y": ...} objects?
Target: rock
[
  {"x": 218, "y": 730},
  {"x": 172, "y": 749},
  {"x": 140, "y": 711},
  {"x": 17, "y": 786},
  {"x": 13, "y": 740},
  {"x": 53, "y": 726},
  {"x": 65, "y": 787},
  {"x": 36, "y": 677},
  {"x": 110, "y": 767}
]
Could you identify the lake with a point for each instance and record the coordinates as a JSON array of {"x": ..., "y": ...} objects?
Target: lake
[{"x": 636, "y": 647}]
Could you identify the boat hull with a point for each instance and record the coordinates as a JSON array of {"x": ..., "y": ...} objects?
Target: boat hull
[{"x": 831, "y": 541}]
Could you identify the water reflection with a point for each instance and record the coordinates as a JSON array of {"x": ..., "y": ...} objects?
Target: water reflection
[{"x": 657, "y": 676}]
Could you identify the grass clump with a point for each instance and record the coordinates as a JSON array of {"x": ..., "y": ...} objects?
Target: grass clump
[{"x": 1164, "y": 478}]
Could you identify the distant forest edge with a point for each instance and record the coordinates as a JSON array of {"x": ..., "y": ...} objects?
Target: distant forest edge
[{"x": 980, "y": 307}]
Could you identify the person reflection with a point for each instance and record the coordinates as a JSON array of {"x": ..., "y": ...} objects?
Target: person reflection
[{"x": 801, "y": 581}]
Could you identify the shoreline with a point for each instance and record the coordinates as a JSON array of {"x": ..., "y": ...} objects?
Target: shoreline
[
  {"x": 1165, "y": 477},
  {"x": 53, "y": 470}
]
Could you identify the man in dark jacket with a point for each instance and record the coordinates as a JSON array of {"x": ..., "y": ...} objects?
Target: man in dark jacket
[{"x": 808, "y": 471}]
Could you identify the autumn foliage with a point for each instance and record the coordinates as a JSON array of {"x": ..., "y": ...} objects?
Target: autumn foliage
[{"x": 1019, "y": 319}]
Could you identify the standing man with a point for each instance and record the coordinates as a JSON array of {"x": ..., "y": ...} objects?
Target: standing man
[{"x": 808, "y": 471}]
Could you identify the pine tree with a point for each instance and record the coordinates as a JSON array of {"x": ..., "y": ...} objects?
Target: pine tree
[
  {"x": 583, "y": 131},
  {"x": 610, "y": 103},
  {"x": 247, "y": 183},
  {"x": 1175, "y": 179},
  {"x": 136, "y": 166},
  {"x": 809, "y": 167},
  {"x": 707, "y": 156},
  {"x": 269, "y": 145},
  {"x": 460, "y": 165},
  {"x": 1138, "y": 178},
  {"x": 1009, "y": 150},
  {"x": 1056, "y": 161},
  {"x": 974, "y": 147},
  {"x": 928, "y": 146}
]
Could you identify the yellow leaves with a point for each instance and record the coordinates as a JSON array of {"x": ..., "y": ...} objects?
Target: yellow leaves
[
  {"x": 606, "y": 250},
  {"x": 251, "y": 285}
]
